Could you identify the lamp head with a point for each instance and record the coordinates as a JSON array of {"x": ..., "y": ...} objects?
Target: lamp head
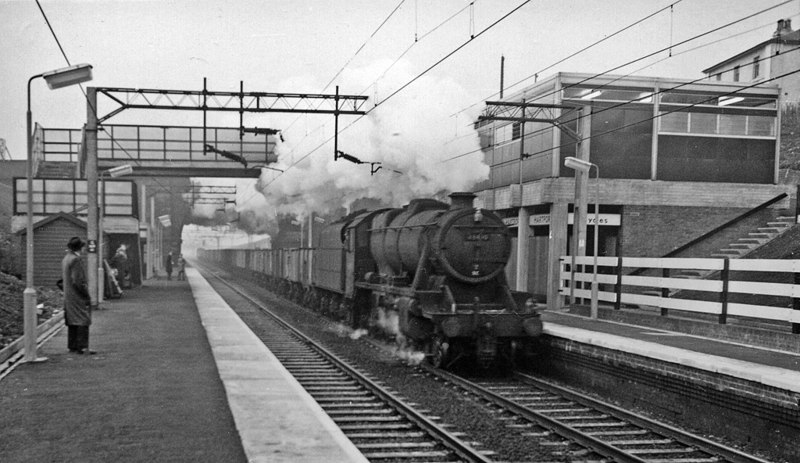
[
  {"x": 577, "y": 164},
  {"x": 120, "y": 171},
  {"x": 71, "y": 75}
]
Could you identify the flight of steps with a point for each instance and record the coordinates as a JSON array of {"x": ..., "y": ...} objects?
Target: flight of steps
[
  {"x": 745, "y": 245},
  {"x": 756, "y": 239},
  {"x": 735, "y": 250}
]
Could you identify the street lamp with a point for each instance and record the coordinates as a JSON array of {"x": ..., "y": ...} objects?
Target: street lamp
[
  {"x": 55, "y": 79},
  {"x": 114, "y": 172},
  {"x": 585, "y": 167},
  {"x": 301, "y": 224}
]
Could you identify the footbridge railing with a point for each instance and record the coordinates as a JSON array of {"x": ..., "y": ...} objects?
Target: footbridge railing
[{"x": 763, "y": 289}]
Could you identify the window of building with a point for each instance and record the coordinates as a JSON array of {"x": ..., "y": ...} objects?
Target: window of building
[
  {"x": 676, "y": 122},
  {"x": 503, "y": 134},
  {"x": 719, "y": 76},
  {"x": 692, "y": 98},
  {"x": 732, "y": 124},
  {"x": 728, "y": 125},
  {"x": 60, "y": 196},
  {"x": 761, "y": 126},
  {"x": 736, "y": 74},
  {"x": 515, "y": 130},
  {"x": 702, "y": 123},
  {"x": 608, "y": 94},
  {"x": 756, "y": 69},
  {"x": 715, "y": 100},
  {"x": 67, "y": 195}
]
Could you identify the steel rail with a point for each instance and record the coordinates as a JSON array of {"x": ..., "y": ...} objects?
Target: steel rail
[
  {"x": 453, "y": 443},
  {"x": 594, "y": 444},
  {"x": 728, "y": 454}
]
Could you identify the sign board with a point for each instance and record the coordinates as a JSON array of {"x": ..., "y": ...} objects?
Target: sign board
[
  {"x": 91, "y": 246},
  {"x": 538, "y": 220}
]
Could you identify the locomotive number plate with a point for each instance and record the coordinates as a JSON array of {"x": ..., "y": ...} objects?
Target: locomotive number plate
[{"x": 477, "y": 236}]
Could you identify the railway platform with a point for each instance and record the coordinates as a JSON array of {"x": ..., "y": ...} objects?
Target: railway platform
[
  {"x": 737, "y": 356},
  {"x": 738, "y": 380},
  {"x": 176, "y": 377}
]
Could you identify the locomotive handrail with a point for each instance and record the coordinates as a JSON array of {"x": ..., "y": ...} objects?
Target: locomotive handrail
[{"x": 400, "y": 227}]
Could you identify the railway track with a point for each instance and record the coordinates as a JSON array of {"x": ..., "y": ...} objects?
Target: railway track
[
  {"x": 382, "y": 426},
  {"x": 572, "y": 427},
  {"x": 586, "y": 429}
]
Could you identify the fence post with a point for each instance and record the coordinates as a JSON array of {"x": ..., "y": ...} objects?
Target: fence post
[
  {"x": 723, "y": 297},
  {"x": 796, "y": 305},
  {"x": 664, "y": 292},
  {"x": 618, "y": 285}
]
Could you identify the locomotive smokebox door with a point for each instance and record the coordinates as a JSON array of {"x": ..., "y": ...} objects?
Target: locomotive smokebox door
[{"x": 469, "y": 251}]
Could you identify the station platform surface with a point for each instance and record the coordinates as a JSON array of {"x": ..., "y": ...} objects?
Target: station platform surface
[
  {"x": 176, "y": 377},
  {"x": 770, "y": 367}
]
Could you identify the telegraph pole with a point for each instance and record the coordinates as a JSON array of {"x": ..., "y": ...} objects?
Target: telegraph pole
[{"x": 517, "y": 112}]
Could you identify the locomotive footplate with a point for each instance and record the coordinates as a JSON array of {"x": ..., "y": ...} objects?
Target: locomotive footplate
[
  {"x": 393, "y": 290},
  {"x": 501, "y": 324}
]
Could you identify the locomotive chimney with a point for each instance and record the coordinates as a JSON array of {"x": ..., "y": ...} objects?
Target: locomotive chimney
[{"x": 461, "y": 200}]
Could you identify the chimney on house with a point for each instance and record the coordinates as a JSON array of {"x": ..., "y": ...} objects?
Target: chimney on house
[{"x": 784, "y": 27}]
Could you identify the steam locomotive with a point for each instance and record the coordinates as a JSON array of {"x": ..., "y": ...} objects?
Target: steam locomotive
[{"x": 430, "y": 274}]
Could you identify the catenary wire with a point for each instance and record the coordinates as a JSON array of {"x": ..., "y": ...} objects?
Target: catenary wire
[
  {"x": 572, "y": 55},
  {"x": 664, "y": 113},
  {"x": 414, "y": 79},
  {"x": 650, "y": 64},
  {"x": 408, "y": 49},
  {"x": 665, "y": 49},
  {"x": 383, "y": 23},
  {"x": 94, "y": 109},
  {"x": 620, "y": 77}
]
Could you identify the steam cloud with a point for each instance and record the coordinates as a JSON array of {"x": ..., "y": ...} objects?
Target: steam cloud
[{"x": 412, "y": 132}]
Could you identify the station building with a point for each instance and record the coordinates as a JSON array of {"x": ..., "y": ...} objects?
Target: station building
[{"x": 685, "y": 167}]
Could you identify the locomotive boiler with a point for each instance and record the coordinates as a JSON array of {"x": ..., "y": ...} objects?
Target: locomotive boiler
[{"x": 439, "y": 280}]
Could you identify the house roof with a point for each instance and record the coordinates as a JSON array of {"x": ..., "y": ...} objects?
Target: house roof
[
  {"x": 792, "y": 38},
  {"x": 53, "y": 218}
]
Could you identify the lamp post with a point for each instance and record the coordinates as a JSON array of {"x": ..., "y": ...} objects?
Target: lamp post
[
  {"x": 301, "y": 224},
  {"x": 114, "y": 172},
  {"x": 55, "y": 79},
  {"x": 585, "y": 167}
]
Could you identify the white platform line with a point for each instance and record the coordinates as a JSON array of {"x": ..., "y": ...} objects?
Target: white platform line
[
  {"x": 777, "y": 377},
  {"x": 272, "y": 411}
]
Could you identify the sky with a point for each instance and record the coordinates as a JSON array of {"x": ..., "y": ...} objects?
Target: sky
[{"x": 420, "y": 110}]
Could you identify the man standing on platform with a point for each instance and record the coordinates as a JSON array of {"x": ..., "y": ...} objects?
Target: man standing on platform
[
  {"x": 77, "y": 312},
  {"x": 168, "y": 265}
]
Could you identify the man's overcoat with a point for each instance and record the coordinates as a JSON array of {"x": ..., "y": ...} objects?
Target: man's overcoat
[{"x": 76, "y": 293}]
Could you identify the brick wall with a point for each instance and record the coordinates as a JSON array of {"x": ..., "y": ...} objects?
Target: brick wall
[
  {"x": 653, "y": 231},
  {"x": 763, "y": 417}
]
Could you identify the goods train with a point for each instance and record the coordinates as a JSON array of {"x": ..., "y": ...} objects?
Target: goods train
[{"x": 430, "y": 274}]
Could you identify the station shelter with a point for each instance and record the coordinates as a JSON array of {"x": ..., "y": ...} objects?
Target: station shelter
[
  {"x": 59, "y": 212},
  {"x": 675, "y": 160}
]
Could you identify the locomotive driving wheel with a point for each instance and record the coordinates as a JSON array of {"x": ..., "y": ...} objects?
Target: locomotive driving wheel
[{"x": 438, "y": 351}]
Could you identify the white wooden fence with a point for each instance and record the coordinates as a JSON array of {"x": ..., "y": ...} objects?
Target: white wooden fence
[{"x": 715, "y": 288}]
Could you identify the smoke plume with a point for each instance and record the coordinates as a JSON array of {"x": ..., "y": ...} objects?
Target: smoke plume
[{"x": 410, "y": 146}]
